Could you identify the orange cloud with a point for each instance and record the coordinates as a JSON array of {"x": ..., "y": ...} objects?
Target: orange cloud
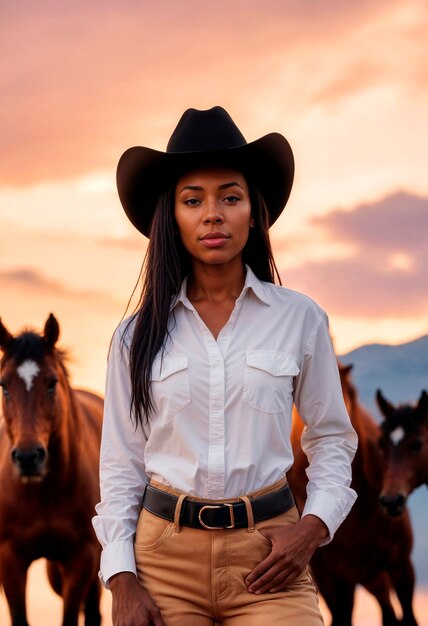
[
  {"x": 87, "y": 319},
  {"x": 83, "y": 84}
]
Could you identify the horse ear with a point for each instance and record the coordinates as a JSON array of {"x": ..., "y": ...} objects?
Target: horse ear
[
  {"x": 422, "y": 408},
  {"x": 5, "y": 337},
  {"x": 346, "y": 369},
  {"x": 386, "y": 408},
  {"x": 51, "y": 332}
]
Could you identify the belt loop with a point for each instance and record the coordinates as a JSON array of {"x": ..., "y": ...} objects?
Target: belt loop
[
  {"x": 177, "y": 512},
  {"x": 250, "y": 516}
]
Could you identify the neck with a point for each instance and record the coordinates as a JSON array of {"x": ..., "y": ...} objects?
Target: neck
[{"x": 216, "y": 282}]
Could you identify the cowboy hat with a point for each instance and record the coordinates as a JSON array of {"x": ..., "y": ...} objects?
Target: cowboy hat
[{"x": 203, "y": 139}]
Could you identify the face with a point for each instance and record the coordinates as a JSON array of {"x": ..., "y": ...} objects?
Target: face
[
  {"x": 31, "y": 413},
  {"x": 213, "y": 214}
]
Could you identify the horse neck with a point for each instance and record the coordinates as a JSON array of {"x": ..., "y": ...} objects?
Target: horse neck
[
  {"x": 424, "y": 472},
  {"x": 366, "y": 465},
  {"x": 65, "y": 442}
]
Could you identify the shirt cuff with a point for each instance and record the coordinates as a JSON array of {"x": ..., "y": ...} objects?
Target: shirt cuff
[
  {"x": 325, "y": 506},
  {"x": 116, "y": 557}
]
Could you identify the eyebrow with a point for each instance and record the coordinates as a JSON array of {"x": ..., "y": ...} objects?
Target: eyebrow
[{"x": 223, "y": 186}]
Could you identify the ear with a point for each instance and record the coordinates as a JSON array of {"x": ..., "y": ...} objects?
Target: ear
[
  {"x": 422, "y": 408},
  {"x": 386, "y": 408},
  {"x": 5, "y": 337},
  {"x": 252, "y": 222},
  {"x": 345, "y": 370},
  {"x": 51, "y": 332}
]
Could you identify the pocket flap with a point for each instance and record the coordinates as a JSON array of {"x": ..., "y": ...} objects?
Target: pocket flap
[
  {"x": 167, "y": 365},
  {"x": 275, "y": 363}
]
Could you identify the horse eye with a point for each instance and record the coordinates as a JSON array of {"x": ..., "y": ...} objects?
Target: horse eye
[
  {"x": 5, "y": 389},
  {"x": 416, "y": 445},
  {"x": 52, "y": 385}
]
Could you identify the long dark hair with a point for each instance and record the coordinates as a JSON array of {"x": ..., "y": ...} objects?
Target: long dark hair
[{"x": 165, "y": 265}]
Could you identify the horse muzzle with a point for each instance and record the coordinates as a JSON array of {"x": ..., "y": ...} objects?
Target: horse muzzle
[
  {"x": 393, "y": 505},
  {"x": 30, "y": 463}
]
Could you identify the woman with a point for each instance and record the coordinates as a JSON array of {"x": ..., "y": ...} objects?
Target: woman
[{"x": 196, "y": 519}]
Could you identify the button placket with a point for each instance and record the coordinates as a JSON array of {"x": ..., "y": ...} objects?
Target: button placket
[
  {"x": 216, "y": 352},
  {"x": 216, "y": 447}
]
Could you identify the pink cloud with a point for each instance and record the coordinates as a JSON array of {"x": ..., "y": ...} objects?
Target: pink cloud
[
  {"x": 398, "y": 222},
  {"x": 387, "y": 272},
  {"x": 32, "y": 283}
]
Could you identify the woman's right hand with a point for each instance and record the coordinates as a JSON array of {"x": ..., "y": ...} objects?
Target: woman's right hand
[{"x": 132, "y": 605}]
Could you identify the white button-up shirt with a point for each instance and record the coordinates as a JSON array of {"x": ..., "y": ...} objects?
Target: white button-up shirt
[{"x": 223, "y": 414}]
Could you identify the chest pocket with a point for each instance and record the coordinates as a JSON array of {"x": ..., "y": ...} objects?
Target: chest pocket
[
  {"x": 170, "y": 384},
  {"x": 268, "y": 380}
]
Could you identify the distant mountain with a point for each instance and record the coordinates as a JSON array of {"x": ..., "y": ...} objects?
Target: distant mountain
[{"x": 401, "y": 372}]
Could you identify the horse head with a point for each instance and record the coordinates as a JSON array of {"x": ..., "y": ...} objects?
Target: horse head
[
  {"x": 404, "y": 450},
  {"x": 348, "y": 388},
  {"x": 34, "y": 383}
]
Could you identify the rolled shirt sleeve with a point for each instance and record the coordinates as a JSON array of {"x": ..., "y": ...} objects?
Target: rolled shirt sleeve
[
  {"x": 328, "y": 440},
  {"x": 122, "y": 472}
]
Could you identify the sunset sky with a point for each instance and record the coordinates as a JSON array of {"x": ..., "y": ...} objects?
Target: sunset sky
[{"x": 346, "y": 82}]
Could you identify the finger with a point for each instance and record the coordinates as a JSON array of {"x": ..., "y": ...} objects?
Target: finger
[
  {"x": 280, "y": 583},
  {"x": 272, "y": 576},
  {"x": 288, "y": 580},
  {"x": 157, "y": 618},
  {"x": 266, "y": 587},
  {"x": 261, "y": 569},
  {"x": 279, "y": 575}
]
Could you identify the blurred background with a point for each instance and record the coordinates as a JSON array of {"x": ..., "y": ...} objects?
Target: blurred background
[{"x": 345, "y": 82}]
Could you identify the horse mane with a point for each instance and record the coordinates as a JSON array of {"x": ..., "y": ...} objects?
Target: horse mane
[{"x": 30, "y": 345}]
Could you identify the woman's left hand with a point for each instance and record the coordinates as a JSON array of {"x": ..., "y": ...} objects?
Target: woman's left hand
[{"x": 292, "y": 549}]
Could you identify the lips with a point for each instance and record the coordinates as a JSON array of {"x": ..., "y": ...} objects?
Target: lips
[
  {"x": 214, "y": 240},
  {"x": 215, "y": 236}
]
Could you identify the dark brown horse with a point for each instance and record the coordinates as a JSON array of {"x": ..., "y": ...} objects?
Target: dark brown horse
[
  {"x": 404, "y": 451},
  {"x": 49, "y": 451},
  {"x": 370, "y": 548}
]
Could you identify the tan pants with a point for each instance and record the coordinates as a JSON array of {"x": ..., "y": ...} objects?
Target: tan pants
[{"x": 196, "y": 577}]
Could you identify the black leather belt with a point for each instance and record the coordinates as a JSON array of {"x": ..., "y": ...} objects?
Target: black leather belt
[{"x": 212, "y": 515}]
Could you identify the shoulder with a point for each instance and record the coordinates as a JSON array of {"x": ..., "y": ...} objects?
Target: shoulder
[
  {"x": 122, "y": 336},
  {"x": 288, "y": 299}
]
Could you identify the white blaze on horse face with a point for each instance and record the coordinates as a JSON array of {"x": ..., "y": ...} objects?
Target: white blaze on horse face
[
  {"x": 397, "y": 435},
  {"x": 28, "y": 370}
]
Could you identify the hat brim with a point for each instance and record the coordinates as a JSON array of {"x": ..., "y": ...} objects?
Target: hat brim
[{"x": 143, "y": 174}]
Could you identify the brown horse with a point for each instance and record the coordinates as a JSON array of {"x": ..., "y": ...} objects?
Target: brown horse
[
  {"x": 404, "y": 451},
  {"x": 49, "y": 451},
  {"x": 369, "y": 548}
]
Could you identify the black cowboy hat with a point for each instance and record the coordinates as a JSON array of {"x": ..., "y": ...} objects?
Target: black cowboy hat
[{"x": 204, "y": 138}]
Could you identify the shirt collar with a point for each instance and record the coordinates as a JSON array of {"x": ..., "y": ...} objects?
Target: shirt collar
[
  {"x": 257, "y": 286},
  {"x": 181, "y": 296}
]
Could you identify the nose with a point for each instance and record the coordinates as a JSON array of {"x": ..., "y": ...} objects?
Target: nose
[
  {"x": 29, "y": 461},
  {"x": 213, "y": 214},
  {"x": 393, "y": 505}
]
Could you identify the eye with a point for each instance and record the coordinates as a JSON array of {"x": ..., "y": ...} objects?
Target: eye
[
  {"x": 232, "y": 199},
  {"x": 192, "y": 202},
  {"x": 416, "y": 445},
  {"x": 5, "y": 389},
  {"x": 381, "y": 443},
  {"x": 52, "y": 383}
]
